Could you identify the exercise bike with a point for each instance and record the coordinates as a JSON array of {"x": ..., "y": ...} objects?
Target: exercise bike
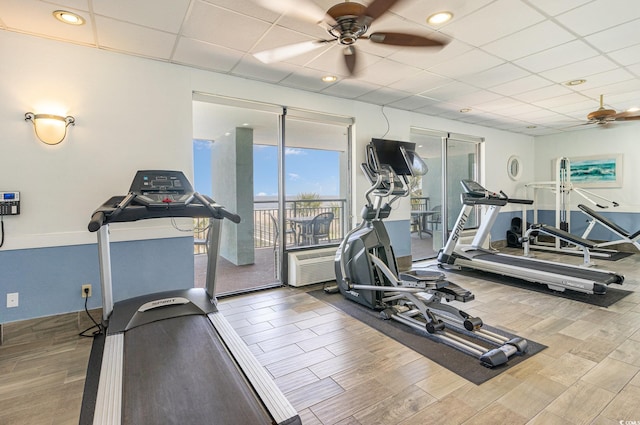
[{"x": 367, "y": 271}]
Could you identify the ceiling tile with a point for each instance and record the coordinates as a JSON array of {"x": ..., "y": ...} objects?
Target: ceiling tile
[
  {"x": 306, "y": 80},
  {"x": 278, "y": 36},
  {"x": 502, "y": 17},
  {"x": 616, "y": 38},
  {"x": 420, "y": 82},
  {"x": 413, "y": 102},
  {"x": 245, "y": 7},
  {"x": 566, "y": 99},
  {"x": 219, "y": 26},
  {"x": 135, "y": 39},
  {"x": 555, "y": 7},
  {"x": 579, "y": 69},
  {"x": 555, "y": 57},
  {"x": 521, "y": 85},
  {"x": 605, "y": 79},
  {"x": 543, "y": 93},
  {"x": 627, "y": 56},
  {"x": 450, "y": 91},
  {"x": 466, "y": 65},
  {"x": 547, "y": 34},
  {"x": 350, "y": 88},
  {"x": 598, "y": 15},
  {"x": 39, "y": 20},
  {"x": 144, "y": 12},
  {"x": 250, "y": 67},
  {"x": 204, "y": 55},
  {"x": 419, "y": 11},
  {"x": 385, "y": 72},
  {"x": 383, "y": 96},
  {"x": 498, "y": 75}
]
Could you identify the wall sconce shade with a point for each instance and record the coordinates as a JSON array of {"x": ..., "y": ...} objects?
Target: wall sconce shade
[{"x": 50, "y": 129}]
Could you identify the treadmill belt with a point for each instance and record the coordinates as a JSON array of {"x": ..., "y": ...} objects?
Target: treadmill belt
[
  {"x": 178, "y": 371},
  {"x": 594, "y": 275}
]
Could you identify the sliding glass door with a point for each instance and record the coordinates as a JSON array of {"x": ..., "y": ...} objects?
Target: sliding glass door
[
  {"x": 436, "y": 199},
  {"x": 284, "y": 172}
]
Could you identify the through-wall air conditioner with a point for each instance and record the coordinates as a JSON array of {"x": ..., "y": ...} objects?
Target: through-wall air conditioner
[{"x": 313, "y": 266}]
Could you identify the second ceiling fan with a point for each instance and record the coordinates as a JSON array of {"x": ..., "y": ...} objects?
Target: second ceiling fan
[{"x": 346, "y": 23}]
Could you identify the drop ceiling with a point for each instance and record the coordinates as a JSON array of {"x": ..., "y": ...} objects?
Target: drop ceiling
[{"x": 507, "y": 61}]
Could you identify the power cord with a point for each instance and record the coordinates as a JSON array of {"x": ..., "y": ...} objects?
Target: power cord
[
  {"x": 1, "y": 230},
  {"x": 99, "y": 329}
]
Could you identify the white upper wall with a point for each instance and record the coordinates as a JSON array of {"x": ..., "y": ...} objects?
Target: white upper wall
[{"x": 134, "y": 113}]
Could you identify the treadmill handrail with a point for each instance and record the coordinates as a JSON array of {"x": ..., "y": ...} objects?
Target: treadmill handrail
[{"x": 116, "y": 210}]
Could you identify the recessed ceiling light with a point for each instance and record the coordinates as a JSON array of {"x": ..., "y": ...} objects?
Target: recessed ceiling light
[
  {"x": 532, "y": 126},
  {"x": 329, "y": 78},
  {"x": 68, "y": 17},
  {"x": 439, "y": 18},
  {"x": 575, "y": 82},
  {"x": 465, "y": 110}
]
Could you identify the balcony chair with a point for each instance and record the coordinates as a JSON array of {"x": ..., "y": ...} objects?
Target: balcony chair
[
  {"x": 319, "y": 228},
  {"x": 276, "y": 239}
]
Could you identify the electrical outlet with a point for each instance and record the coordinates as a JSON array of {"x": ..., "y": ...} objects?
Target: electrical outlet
[
  {"x": 84, "y": 289},
  {"x": 12, "y": 300}
]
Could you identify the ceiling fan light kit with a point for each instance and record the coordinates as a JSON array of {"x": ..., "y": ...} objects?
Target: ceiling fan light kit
[{"x": 346, "y": 23}]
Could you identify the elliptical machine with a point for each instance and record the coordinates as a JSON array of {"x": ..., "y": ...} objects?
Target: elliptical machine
[{"x": 367, "y": 271}]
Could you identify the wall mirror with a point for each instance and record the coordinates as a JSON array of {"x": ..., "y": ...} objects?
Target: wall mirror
[{"x": 514, "y": 167}]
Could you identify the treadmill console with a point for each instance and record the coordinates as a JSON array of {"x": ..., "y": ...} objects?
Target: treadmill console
[
  {"x": 474, "y": 188},
  {"x": 161, "y": 189}
]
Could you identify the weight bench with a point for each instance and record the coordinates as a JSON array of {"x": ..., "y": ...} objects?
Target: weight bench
[
  {"x": 584, "y": 244},
  {"x": 627, "y": 237}
]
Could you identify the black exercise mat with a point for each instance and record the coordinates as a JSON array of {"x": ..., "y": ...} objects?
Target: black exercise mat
[
  {"x": 612, "y": 296},
  {"x": 454, "y": 360},
  {"x": 91, "y": 381}
]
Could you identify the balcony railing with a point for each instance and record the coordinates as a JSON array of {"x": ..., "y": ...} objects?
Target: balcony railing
[{"x": 265, "y": 219}]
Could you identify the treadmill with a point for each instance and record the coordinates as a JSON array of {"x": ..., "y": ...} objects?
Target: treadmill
[
  {"x": 171, "y": 357},
  {"x": 557, "y": 276}
]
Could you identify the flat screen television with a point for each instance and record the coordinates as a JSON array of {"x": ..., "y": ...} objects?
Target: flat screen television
[{"x": 389, "y": 153}]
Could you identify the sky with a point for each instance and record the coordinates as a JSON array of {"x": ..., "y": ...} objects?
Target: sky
[{"x": 307, "y": 170}]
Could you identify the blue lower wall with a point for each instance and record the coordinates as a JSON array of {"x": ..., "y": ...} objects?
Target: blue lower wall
[{"x": 48, "y": 280}]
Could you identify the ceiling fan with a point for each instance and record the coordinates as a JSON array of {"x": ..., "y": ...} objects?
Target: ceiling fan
[
  {"x": 604, "y": 116},
  {"x": 346, "y": 23}
]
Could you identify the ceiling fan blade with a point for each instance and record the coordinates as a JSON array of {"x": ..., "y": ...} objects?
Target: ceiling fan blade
[
  {"x": 627, "y": 116},
  {"x": 400, "y": 39},
  {"x": 377, "y": 8},
  {"x": 285, "y": 52},
  {"x": 350, "y": 58},
  {"x": 301, "y": 9}
]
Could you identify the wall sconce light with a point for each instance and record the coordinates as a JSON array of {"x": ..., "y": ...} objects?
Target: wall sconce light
[{"x": 50, "y": 129}]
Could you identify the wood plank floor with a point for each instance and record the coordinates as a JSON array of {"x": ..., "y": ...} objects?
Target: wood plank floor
[{"x": 335, "y": 370}]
